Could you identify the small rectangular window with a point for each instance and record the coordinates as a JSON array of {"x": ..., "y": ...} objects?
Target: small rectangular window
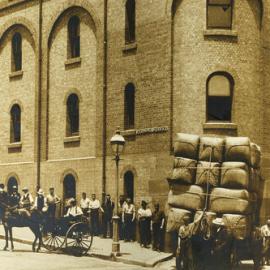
[{"x": 219, "y": 14}]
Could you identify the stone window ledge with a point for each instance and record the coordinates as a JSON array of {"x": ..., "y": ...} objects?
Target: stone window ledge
[
  {"x": 15, "y": 145},
  {"x": 221, "y": 125},
  {"x": 220, "y": 33},
  {"x": 72, "y": 139},
  {"x": 130, "y": 47},
  {"x": 128, "y": 132},
  {"x": 73, "y": 61},
  {"x": 16, "y": 74}
]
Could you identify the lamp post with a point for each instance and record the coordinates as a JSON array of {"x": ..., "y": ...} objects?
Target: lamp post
[{"x": 117, "y": 144}]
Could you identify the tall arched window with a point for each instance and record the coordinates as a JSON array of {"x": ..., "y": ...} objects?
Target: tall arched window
[
  {"x": 72, "y": 125},
  {"x": 130, "y": 21},
  {"x": 129, "y": 185},
  {"x": 219, "y": 97},
  {"x": 219, "y": 14},
  {"x": 15, "y": 123},
  {"x": 12, "y": 181},
  {"x": 129, "y": 115},
  {"x": 16, "y": 52},
  {"x": 69, "y": 189},
  {"x": 74, "y": 37}
]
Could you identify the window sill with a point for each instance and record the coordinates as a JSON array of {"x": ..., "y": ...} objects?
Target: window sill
[
  {"x": 221, "y": 125},
  {"x": 72, "y": 139},
  {"x": 73, "y": 61},
  {"x": 128, "y": 132},
  {"x": 220, "y": 33},
  {"x": 16, "y": 74},
  {"x": 15, "y": 145},
  {"x": 130, "y": 47}
]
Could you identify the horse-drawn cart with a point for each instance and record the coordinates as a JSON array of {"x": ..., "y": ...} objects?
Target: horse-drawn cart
[{"x": 72, "y": 237}]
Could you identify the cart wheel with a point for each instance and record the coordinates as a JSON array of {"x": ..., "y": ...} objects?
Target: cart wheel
[
  {"x": 78, "y": 239},
  {"x": 52, "y": 242}
]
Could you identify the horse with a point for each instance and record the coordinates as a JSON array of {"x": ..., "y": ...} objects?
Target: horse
[{"x": 12, "y": 218}]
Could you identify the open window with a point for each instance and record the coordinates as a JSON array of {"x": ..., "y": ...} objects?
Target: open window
[
  {"x": 74, "y": 37},
  {"x": 219, "y": 97},
  {"x": 72, "y": 116},
  {"x": 130, "y": 21},
  {"x": 129, "y": 115},
  {"x": 15, "y": 123},
  {"x": 16, "y": 63}
]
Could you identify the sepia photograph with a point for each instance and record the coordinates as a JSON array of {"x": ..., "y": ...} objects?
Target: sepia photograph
[{"x": 134, "y": 134}]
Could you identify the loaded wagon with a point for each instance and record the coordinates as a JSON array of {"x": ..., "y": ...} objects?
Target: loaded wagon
[{"x": 221, "y": 177}]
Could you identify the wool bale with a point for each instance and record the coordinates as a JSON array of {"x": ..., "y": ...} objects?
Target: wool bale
[
  {"x": 190, "y": 197},
  {"x": 208, "y": 173},
  {"x": 210, "y": 216},
  {"x": 186, "y": 145},
  {"x": 233, "y": 201},
  {"x": 184, "y": 171},
  {"x": 175, "y": 219},
  {"x": 237, "y": 149},
  {"x": 238, "y": 225},
  {"x": 211, "y": 146},
  {"x": 255, "y": 155},
  {"x": 255, "y": 181},
  {"x": 235, "y": 175}
]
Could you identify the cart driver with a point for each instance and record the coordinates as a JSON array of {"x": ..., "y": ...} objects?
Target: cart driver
[{"x": 74, "y": 212}]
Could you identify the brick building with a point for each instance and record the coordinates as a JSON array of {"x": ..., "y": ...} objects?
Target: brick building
[{"x": 74, "y": 70}]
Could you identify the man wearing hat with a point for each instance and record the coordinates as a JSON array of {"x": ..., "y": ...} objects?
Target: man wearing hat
[
  {"x": 40, "y": 201},
  {"x": 14, "y": 198},
  {"x": 186, "y": 231},
  {"x": 144, "y": 216},
  {"x": 74, "y": 211},
  {"x": 3, "y": 201},
  {"x": 52, "y": 200},
  {"x": 26, "y": 202},
  {"x": 265, "y": 232}
]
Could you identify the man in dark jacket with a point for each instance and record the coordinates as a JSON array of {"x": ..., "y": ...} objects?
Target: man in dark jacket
[{"x": 108, "y": 207}]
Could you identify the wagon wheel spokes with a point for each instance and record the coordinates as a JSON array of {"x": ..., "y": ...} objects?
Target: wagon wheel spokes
[
  {"x": 52, "y": 242},
  {"x": 78, "y": 239}
]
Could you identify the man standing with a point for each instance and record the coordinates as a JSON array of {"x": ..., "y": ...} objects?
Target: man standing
[
  {"x": 157, "y": 226},
  {"x": 40, "y": 201},
  {"x": 265, "y": 232},
  {"x": 144, "y": 216},
  {"x": 26, "y": 202},
  {"x": 128, "y": 217},
  {"x": 108, "y": 207},
  {"x": 52, "y": 200},
  {"x": 85, "y": 204},
  {"x": 94, "y": 206},
  {"x": 121, "y": 204}
]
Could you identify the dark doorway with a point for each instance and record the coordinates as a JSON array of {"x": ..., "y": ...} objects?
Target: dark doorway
[
  {"x": 129, "y": 185},
  {"x": 69, "y": 190},
  {"x": 12, "y": 181}
]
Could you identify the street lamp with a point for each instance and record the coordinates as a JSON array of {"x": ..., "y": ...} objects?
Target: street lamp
[{"x": 117, "y": 144}]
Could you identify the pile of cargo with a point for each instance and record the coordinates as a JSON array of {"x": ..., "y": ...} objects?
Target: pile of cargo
[{"x": 218, "y": 175}]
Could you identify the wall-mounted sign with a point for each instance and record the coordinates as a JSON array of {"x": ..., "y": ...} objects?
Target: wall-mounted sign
[{"x": 151, "y": 130}]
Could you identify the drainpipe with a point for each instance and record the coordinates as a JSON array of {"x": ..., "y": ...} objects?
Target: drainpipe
[
  {"x": 39, "y": 92},
  {"x": 104, "y": 143}
]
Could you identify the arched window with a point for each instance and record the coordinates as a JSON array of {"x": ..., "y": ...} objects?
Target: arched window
[
  {"x": 12, "y": 181},
  {"x": 74, "y": 37},
  {"x": 72, "y": 125},
  {"x": 16, "y": 52},
  {"x": 219, "y": 13},
  {"x": 129, "y": 185},
  {"x": 69, "y": 189},
  {"x": 15, "y": 123},
  {"x": 219, "y": 96},
  {"x": 130, "y": 21},
  {"x": 129, "y": 115}
]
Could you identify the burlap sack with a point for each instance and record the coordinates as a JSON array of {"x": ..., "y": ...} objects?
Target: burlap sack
[
  {"x": 208, "y": 173},
  {"x": 235, "y": 175},
  {"x": 186, "y": 145},
  {"x": 190, "y": 197},
  {"x": 233, "y": 201},
  {"x": 238, "y": 225},
  {"x": 175, "y": 219},
  {"x": 184, "y": 171},
  {"x": 237, "y": 149},
  {"x": 211, "y": 146},
  {"x": 255, "y": 155}
]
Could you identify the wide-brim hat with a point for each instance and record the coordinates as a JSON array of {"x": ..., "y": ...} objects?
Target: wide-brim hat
[
  {"x": 218, "y": 222},
  {"x": 72, "y": 200},
  {"x": 25, "y": 189},
  {"x": 40, "y": 192},
  {"x": 14, "y": 187}
]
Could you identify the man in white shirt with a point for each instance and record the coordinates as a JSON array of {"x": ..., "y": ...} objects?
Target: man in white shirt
[
  {"x": 26, "y": 202},
  {"x": 84, "y": 203},
  {"x": 94, "y": 206},
  {"x": 74, "y": 211},
  {"x": 52, "y": 200},
  {"x": 265, "y": 232},
  {"x": 128, "y": 217},
  {"x": 144, "y": 216}
]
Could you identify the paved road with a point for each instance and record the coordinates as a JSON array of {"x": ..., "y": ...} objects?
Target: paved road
[{"x": 24, "y": 259}]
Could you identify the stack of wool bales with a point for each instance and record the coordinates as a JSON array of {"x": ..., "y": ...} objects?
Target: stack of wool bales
[
  {"x": 236, "y": 198},
  {"x": 231, "y": 179}
]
